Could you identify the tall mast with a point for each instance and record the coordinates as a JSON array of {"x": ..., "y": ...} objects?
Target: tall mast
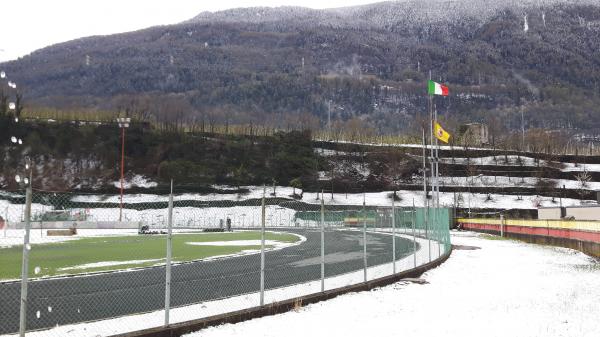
[{"x": 431, "y": 160}]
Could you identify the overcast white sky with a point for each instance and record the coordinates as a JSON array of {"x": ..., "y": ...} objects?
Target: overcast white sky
[{"x": 33, "y": 24}]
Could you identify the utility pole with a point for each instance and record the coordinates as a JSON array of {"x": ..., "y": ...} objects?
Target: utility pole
[
  {"x": 169, "y": 257},
  {"x": 322, "y": 241},
  {"x": 262, "y": 248},
  {"x": 123, "y": 124}
]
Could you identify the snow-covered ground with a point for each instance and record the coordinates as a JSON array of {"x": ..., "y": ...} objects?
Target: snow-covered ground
[
  {"x": 472, "y": 200},
  {"x": 414, "y": 146},
  {"x": 135, "y": 181},
  {"x": 249, "y": 216},
  {"x": 428, "y": 250},
  {"x": 513, "y": 160},
  {"x": 329, "y": 153},
  {"x": 11, "y": 237},
  {"x": 502, "y": 181},
  {"x": 506, "y": 288},
  {"x": 255, "y": 192}
]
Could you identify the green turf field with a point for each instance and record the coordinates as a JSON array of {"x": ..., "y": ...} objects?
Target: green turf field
[{"x": 67, "y": 258}]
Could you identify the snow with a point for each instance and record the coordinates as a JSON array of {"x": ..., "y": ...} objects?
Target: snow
[
  {"x": 136, "y": 181},
  {"x": 512, "y": 160},
  {"x": 408, "y": 14},
  {"x": 255, "y": 192},
  {"x": 249, "y": 216},
  {"x": 472, "y": 200},
  {"x": 106, "y": 264},
  {"x": 503, "y": 181},
  {"x": 417, "y": 146},
  {"x": 506, "y": 288},
  {"x": 330, "y": 153},
  {"x": 186, "y": 313},
  {"x": 238, "y": 243},
  {"x": 11, "y": 237},
  {"x": 285, "y": 215}
]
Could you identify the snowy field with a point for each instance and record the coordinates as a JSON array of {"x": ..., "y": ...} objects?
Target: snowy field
[{"x": 506, "y": 288}]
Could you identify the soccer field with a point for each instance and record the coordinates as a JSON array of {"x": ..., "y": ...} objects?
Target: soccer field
[{"x": 107, "y": 253}]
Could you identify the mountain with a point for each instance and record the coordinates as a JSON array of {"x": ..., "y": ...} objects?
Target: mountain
[{"x": 282, "y": 65}]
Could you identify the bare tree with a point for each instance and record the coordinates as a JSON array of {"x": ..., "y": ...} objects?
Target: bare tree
[{"x": 583, "y": 179}]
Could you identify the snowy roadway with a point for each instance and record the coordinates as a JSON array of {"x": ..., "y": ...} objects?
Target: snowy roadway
[
  {"x": 71, "y": 300},
  {"x": 505, "y": 288}
]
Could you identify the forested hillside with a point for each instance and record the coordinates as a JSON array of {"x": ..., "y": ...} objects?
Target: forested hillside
[
  {"x": 68, "y": 156},
  {"x": 369, "y": 63}
]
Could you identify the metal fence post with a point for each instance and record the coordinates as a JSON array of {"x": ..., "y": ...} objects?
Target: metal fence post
[
  {"x": 169, "y": 256},
  {"x": 428, "y": 229},
  {"x": 25, "y": 264},
  {"x": 364, "y": 238},
  {"x": 393, "y": 235},
  {"x": 413, "y": 213},
  {"x": 438, "y": 231},
  {"x": 501, "y": 225},
  {"x": 262, "y": 251},
  {"x": 322, "y": 242}
]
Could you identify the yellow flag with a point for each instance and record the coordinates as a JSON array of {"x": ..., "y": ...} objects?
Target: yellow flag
[{"x": 440, "y": 133}]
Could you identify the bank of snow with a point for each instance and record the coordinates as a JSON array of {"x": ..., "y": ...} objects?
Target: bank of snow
[
  {"x": 106, "y": 264},
  {"x": 273, "y": 243},
  {"x": 506, "y": 288},
  {"x": 517, "y": 161},
  {"x": 136, "y": 181},
  {"x": 249, "y": 216}
]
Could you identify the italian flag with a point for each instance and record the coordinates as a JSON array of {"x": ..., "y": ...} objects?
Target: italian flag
[{"x": 435, "y": 88}]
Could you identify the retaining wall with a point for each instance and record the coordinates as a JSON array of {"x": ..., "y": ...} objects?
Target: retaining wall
[{"x": 580, "y": 235}]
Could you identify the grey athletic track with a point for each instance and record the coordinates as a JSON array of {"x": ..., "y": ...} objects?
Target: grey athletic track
[{"x": 62, "y": 301}]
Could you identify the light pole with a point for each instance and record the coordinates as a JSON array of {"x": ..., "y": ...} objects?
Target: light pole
[{"x": 123, "y": 124}]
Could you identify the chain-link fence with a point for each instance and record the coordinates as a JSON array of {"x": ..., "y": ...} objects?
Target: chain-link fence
[{"x": 98, "y": 266}]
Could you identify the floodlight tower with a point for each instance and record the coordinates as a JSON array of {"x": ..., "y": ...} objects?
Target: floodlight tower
[{"x": 123, "y": 124}]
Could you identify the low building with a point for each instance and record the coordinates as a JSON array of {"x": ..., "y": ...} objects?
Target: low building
[
  {"x": 477, "y": 133},
  {"x": 551, "y": 213},
  {"x": 591, "y": 212}
]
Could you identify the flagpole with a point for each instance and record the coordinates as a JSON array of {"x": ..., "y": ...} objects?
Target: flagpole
[
  {"x": 424, "y": 170},
  {"x": 431, "y": 144},
  {"x": 437, "y": 163},
  {"x": 432, "y": 216},
  {"x": 425, "y": 200}
]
